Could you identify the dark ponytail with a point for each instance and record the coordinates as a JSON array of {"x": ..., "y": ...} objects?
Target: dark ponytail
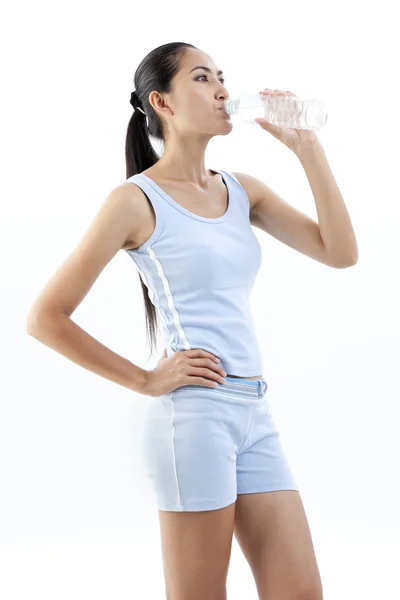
[{"x": 155, "y": 72}]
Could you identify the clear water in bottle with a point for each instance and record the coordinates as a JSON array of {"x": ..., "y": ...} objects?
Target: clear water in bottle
[{"x": 284, "y": 111}]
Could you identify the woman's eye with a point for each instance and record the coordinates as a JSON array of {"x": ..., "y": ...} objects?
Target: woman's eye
[{"x": 222, "y": 80}]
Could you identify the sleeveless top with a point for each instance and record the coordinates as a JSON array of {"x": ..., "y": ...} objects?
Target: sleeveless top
[{"x": 199, "y": 272}]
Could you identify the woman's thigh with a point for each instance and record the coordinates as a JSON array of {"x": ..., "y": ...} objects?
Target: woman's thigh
[
  {"x": 273, "y": 532},
  {"x": 199, "y": 444},
  {"x": 196, "y": 550}
]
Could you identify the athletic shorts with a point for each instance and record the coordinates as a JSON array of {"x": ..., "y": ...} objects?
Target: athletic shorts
[{"x": 202, "y": 446}]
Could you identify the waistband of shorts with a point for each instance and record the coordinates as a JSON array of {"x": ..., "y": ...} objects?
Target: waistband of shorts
[{"x": 246, "y": 388}]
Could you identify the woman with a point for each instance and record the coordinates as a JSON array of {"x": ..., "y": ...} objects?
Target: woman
[{"x": 210, "y": 446}]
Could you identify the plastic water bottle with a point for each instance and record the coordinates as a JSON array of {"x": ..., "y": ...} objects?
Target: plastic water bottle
[{"x": 284, "y": 111}]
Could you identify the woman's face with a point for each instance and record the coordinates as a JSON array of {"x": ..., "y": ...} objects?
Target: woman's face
[{"x": 197, "y": 96}]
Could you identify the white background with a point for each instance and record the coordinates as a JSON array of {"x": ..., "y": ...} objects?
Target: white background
[{"x": 78, "y": 517}]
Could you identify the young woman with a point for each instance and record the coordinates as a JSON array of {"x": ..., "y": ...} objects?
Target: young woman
[{"x": 211, "y": 448}]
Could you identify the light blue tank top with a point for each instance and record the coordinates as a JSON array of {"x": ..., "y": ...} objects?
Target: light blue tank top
[{"x": 199, "y": 272}]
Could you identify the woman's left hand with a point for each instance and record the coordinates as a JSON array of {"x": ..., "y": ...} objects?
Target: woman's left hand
[{"x": 295, "y": 139}]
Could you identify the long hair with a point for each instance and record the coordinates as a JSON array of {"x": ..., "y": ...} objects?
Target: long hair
[{"x": 155, "y": 72}]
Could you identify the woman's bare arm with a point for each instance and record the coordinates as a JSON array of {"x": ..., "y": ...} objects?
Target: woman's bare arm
[{"x": 49, "y": 319}]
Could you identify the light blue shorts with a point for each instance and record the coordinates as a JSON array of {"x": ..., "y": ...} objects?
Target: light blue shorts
[{"x": 202, "y": 446}]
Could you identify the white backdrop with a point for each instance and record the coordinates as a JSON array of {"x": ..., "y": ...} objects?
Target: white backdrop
[{"x": 77, "y": 515}]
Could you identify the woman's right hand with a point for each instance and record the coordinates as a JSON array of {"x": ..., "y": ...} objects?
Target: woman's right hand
[{"x": 186, "y": 367}]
